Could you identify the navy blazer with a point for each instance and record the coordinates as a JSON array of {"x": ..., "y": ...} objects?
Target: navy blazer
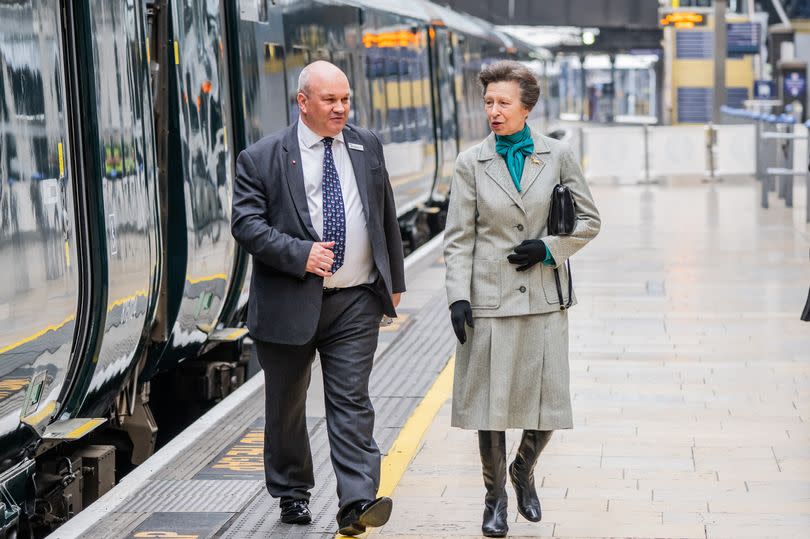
[{"x": 270, "y": 220}]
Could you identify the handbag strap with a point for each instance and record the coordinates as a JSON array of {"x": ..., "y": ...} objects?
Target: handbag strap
[{"x": 563, "y": 304}]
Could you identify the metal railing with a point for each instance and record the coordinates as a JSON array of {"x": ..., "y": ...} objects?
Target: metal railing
[{"x": 777, "y": 137}]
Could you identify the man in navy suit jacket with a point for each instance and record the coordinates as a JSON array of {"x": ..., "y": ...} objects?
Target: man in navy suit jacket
[{"x": 313, "y": 205}]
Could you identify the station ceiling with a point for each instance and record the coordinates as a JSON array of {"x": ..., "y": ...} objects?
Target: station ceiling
[
  {"x": 636, "y": 14},
  {"x": 624, "y": 25}
]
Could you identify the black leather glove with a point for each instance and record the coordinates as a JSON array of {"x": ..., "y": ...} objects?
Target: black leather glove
[
  {"x": 527, "y": 254},
  {"x": 461, "y": 312}
]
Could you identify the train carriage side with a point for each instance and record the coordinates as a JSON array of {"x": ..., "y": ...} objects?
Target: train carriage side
[{"x": 77, "y": 191}]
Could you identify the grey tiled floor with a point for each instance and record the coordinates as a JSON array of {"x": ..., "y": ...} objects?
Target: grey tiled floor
[{"x": 690, "y": 382}]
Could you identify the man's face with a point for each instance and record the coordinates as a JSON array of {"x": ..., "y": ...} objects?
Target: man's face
[{"x": 325, "y": 106}]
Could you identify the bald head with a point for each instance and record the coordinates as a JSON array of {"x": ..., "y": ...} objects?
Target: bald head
[
  {"x": 323, "y": 98},
  {"x": 317, "y": 73}
]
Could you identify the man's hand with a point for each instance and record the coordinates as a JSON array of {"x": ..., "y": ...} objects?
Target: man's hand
[
  {"x": 321, "y": 258},
  {"x": 395, "y": 299}
]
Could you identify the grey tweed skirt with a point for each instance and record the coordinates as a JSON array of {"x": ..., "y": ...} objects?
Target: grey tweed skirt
[{"x": 512, "y": 373}]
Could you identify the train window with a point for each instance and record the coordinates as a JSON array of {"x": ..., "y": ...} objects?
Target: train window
[
  {"x": 345, "y": 61},
  {"x": 273, "y": 57},
  {"x": 361, "y": 97},
  {"x": 392, "y": 94},
  {"x": 261, "y": 75},
  {"x": 321, "y": 53},
  {"x": 303, "y": 53},
  {"x": 375, "y": 71},
  {"x": 297, "y": 58}
]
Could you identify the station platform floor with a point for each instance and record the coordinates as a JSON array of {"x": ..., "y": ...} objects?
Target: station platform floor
[{"x": 690, "y": 385}]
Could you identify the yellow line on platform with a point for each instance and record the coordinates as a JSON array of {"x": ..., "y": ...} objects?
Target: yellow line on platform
[{"x": 404, "y": 449}]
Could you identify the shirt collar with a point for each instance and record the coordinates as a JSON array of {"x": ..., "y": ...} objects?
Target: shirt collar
[{"x": 309, "y": 138}]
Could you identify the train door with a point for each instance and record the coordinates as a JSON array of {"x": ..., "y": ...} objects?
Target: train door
[
  {"x": 445, "y": 108},
  {"x": 39, "y": 297},
  {"x": 121, "y": 256},
  {"x": 195, "y": 158},
  {"x": 256, "y": 56}
]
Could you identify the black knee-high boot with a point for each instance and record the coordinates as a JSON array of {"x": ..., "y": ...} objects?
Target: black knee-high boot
[
  {"x": 521, "y": 472},
  {"x": 492, "y": 445}
]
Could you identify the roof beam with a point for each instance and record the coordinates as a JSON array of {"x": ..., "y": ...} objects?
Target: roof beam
[{"x": 632, "y": 14}]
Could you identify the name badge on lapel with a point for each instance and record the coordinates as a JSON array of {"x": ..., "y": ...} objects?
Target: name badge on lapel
[{"x": 353, "y": 146}]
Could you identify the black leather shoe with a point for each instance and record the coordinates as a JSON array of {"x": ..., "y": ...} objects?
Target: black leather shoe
[
  {"x": 356, "y": 517},
  {"x": 295, "y": 511}
]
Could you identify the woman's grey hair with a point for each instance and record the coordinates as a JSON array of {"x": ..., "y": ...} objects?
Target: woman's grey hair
[{"x": 509, "y": 70}]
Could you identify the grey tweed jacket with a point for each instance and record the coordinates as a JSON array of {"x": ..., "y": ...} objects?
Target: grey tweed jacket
[{"x": 488, "y": 217}]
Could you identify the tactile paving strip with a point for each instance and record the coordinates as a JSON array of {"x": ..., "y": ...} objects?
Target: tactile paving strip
[
  {"x": 401, "y": 377},
  {"x": 207, "y": 447},
  {"x": 192, "y": 496}
]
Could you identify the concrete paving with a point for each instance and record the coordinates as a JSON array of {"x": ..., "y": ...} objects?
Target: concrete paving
[{"x": 690, "y": 382}]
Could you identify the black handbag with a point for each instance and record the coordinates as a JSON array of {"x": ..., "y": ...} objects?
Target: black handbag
[{"x": 561, "y": 221}]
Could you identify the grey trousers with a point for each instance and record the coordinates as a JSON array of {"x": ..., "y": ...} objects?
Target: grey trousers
[{"x": 346, "y": 339}]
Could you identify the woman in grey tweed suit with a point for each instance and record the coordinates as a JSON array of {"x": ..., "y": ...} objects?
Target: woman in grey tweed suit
[{"x": 512, "y": 358}]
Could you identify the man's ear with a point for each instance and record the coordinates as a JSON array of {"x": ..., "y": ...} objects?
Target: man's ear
[{"x": 302, "y": 102}]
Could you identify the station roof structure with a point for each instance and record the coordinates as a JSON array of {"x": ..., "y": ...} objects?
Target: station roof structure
[{"x": 616, "y": 26}]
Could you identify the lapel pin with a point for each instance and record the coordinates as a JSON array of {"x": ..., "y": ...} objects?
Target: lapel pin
[
  {"x": 535, "y": 160},
  {"x": 293, "y": 161}
]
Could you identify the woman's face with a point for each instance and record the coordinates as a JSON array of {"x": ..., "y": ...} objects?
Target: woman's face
[{"x": 505, "y": 111}]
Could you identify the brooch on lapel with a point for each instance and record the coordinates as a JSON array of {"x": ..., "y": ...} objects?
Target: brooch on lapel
[{"x": 536, "y": 161}]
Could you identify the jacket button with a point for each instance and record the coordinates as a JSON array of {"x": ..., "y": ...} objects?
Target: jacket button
[
  {"x": 520, "y": 228},
  {"x": 522, "y": 289}
]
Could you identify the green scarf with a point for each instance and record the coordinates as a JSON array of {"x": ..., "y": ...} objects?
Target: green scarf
[{"x": 514, "y": 148}]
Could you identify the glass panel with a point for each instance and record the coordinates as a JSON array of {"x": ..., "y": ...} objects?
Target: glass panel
[{"x": 262, "y": 57}]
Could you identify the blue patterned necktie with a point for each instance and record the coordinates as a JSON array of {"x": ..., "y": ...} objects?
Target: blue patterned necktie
[{"x": 334, "y": 215}]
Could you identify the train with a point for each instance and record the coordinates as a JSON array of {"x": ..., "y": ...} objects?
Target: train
[{"x": 124, "y": 294}]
